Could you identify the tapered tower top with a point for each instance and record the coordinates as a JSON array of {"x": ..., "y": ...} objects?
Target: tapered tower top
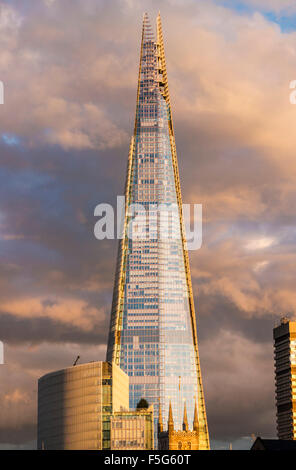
[{"x": 148, "y": 34}]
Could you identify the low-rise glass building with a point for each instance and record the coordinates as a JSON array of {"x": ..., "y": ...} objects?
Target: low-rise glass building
[
  {"x": 132, "y": 430},
  {"x": 75, "y": 405}
]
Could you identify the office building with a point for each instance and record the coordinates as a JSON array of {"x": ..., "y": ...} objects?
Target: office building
[
  {"x": 285, "y": 378},
  {"x": 75, "y": 406},
  {"x": 132, "y": 430},
  {"x": 153, "y": 334}
]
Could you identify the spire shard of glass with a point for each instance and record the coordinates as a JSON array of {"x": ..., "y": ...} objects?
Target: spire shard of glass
[{"x": 153, "y": 335}]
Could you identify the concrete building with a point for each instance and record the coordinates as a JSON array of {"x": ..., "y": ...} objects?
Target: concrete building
[
  {"x": 75, "y": 405},
  {"x": 132, "y": 430},
  {"x": 184, "y": 439},
  {"x": 285, "y": 378}
]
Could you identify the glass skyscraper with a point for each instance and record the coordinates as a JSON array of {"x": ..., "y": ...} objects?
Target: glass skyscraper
[{"x": 153, "y": 334}]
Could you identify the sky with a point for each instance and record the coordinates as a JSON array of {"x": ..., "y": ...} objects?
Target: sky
[{"x": 69, "y": 69}]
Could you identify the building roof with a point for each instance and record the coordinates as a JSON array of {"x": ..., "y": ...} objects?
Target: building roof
[{"x": 273, "y": 444}]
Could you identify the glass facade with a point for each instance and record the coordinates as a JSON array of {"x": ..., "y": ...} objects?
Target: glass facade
[
  {"x": 75, "y": 406},
  {"x": 152, "y": 331},
  {"x": 132, "y": 430}
]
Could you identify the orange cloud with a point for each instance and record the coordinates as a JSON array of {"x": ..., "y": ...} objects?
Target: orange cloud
[{"x": 74, "y": 311}]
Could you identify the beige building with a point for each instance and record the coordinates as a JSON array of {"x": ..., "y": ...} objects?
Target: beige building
[
  {"x": 132, "y": 430},
  {"x": 75, "y": 405},
  {"x": 285, "y": 378}
]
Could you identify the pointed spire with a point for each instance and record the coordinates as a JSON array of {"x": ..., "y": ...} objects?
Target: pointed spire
[
  {"x": 185, "y": 420},
  {"x": 195, "y": 419},
  {"x": 148, "y": 34},
  {"x": 162, "y": 63},
  {"x": 171, "y": 419},
  {"x": 160, "y": 423}
]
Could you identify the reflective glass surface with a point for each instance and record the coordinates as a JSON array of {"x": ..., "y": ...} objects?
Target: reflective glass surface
[
  {"x": 157, "y": 349},
  {"x": 151, "y": 336}
]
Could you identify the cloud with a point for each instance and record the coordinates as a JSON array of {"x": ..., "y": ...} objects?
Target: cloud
[
  {"x": 234, "y": 363},
  {"x": 17, "y": 330},
  {"x": 74, "y": 311},
  {"x": 17, "y": 396},
  {"x": 51, "y": 83},
  {"x": 78, "y": 126},
  {"x": 260, "y": 243},
  {"x": 49, "y": 3},
  {"x": 260, "y": 266},
  {"x": 19, "y": 377}
]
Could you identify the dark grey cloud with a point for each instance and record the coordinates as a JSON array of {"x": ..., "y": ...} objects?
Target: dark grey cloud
[
  {"x": 18, "y": 436},
  {"x": 15, "y": 330}
]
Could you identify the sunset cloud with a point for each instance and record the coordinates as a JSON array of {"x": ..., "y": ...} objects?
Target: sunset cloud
[
  {"x": 74, "y": 311},
  {"x": 260, "y": 243}
]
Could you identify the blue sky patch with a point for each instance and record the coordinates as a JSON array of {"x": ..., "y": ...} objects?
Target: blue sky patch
[
  {"x": 287, "y": 22},
  {"x": 10, "y": 139}
]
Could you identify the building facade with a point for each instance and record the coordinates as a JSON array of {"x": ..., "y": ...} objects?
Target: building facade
[
  {"x": 132, "y": 430},
  {"x": 285, "y": 378},
  {"x": 75, "y": 406},
  {"x": 182, "y": 439},
  {"x": 153, "y": 335}
]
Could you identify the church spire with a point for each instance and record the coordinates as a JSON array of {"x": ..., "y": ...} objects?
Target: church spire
[
  {"x": 171, "y": 419},
  {"x": 185, "y": 420},
  {"x": 160, "y": 423},
  {"x": 195, "y": 419}
]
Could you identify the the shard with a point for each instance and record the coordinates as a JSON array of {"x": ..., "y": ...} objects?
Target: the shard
[{"x": 153, "y": 335}]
